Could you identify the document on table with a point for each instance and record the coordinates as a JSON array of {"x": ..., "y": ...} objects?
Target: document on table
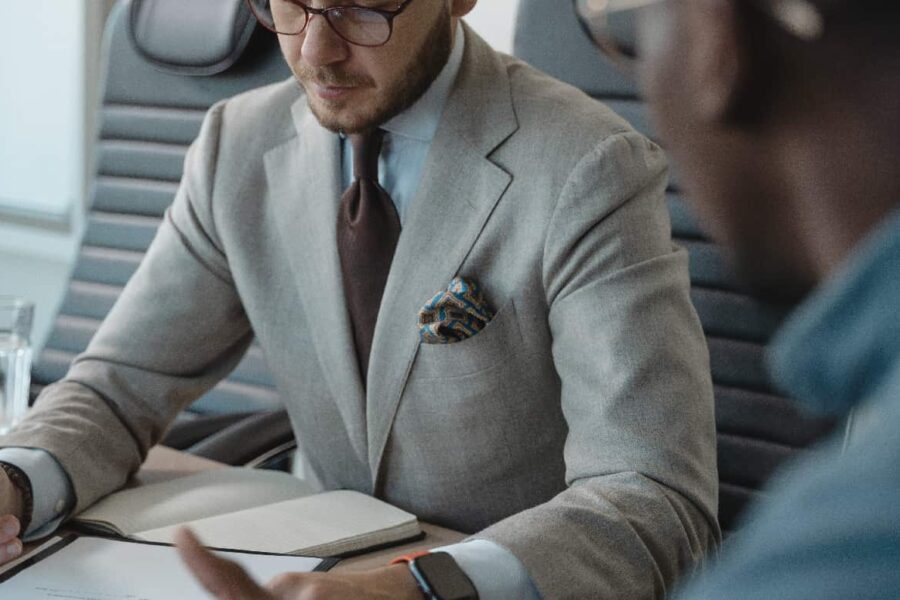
[{"x": 86, "y": 568}]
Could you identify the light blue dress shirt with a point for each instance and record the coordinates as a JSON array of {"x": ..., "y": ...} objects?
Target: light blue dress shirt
[
  {"x": 496, "y": 573},
  {"x": 408, "y": 136},
  {"x": 50, "y": 487},
  {"x": 830, "y": 526}
]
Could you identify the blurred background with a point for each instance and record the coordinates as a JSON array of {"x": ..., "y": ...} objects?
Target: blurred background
[{"x": 49, "y": 78}]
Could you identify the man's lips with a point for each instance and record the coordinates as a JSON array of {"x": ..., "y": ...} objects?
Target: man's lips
[{"x": 332, "y": 92}]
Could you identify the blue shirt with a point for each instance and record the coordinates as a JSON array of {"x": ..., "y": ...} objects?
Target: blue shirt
[
  {"x": 830, "y": 528},
  {"x": 408, "y": 137},
  {"x": 495, "y": 572}
]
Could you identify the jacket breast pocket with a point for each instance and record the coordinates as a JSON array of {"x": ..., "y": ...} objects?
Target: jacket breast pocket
[{"x": 488, "y": 348}]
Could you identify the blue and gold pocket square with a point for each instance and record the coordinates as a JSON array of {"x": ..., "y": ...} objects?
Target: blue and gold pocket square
[{"x": 454, "y": 314}]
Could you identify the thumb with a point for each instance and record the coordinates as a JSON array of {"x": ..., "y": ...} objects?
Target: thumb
[{"x": 222, "y": 578}]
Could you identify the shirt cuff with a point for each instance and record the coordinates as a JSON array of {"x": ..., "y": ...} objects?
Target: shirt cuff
[
  {"x": 495, "y": 572},
  {"x": 50, "y": 487}
]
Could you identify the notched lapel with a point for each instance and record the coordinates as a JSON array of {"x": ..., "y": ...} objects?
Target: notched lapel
[
  {"x": 460, "y": 188},
  {"x": 304, "y": 178}
]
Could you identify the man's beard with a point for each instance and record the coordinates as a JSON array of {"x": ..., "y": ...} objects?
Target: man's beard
[{"x": 423, "y": 69}]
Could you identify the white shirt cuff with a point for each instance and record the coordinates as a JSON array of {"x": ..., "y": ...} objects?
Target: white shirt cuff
[
  {"x": 50, "y": 487},
  {"x": 495, "y": 572}
]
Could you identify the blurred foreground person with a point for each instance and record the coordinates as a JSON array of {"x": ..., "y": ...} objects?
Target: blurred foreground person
[{"x": 782, "y": 116}]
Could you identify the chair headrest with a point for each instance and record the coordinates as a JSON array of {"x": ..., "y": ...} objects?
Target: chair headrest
[
  {"x": 191, "y": 37},
  {"x": 549, "y": 37}
]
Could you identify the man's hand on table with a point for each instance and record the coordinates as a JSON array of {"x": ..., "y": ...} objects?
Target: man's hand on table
[
  {"x": 225, "y": 580},
  {"x": 10, "y": 513}
]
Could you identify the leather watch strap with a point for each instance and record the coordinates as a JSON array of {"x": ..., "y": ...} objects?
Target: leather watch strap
[
  {"x": 408, "y": 558},
  {"x": 19, "y": 479}
]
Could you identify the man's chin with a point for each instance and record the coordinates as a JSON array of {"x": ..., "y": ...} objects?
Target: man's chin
[{"x": 341, "y": 119}]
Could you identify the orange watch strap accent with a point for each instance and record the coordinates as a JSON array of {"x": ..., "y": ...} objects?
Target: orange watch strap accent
[{"x": 408, "y": 558}]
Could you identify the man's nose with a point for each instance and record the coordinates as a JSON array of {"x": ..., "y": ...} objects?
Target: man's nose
[{"x": 322, "y": 46}]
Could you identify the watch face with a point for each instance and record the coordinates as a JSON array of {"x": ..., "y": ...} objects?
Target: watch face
[{"x": 444, "y": 577}]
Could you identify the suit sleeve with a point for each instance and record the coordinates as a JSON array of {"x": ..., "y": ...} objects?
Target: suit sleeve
[
  {"x": 176, "y": 330},
  {"x": 641, "y": 497}
]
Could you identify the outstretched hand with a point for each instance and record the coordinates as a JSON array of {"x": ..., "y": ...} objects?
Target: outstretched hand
[
  {"x": 226, "y": 580},
  {"x": 223, "y": 579}
]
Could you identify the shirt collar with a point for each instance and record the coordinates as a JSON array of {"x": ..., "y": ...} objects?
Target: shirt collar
[
  {"x": 420, "y": 121},
  {"x": 844, "y": 341}
]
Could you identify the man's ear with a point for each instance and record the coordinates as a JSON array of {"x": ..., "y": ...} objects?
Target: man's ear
[
  {"x": 718, "y": 62},
  {"x": 460, "y": 8}
]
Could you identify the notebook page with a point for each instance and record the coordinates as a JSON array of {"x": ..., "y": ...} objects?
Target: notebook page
[
  {"x": 295, "y": 525},
  {"x": 205, "y": 494}
]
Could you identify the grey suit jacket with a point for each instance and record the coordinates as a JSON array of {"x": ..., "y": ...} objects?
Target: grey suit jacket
[{"x": 576, "y": 430}]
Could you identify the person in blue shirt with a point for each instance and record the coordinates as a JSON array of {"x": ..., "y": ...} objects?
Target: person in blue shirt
[{"x": 782, "y": 116}]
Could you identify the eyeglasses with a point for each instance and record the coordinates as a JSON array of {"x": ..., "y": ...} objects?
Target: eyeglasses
[
  {"x": 358, "y": 25},
  {"x": 612, "y": 24}
]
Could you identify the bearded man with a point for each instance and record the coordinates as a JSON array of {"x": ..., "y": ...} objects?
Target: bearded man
[{"x": 462, "y": 276}]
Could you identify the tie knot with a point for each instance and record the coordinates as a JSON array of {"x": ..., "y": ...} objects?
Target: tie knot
[{"x": 366, "y": 149}]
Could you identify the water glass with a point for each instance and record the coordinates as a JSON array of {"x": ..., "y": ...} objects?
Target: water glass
[{"x": 15, "y": 359}]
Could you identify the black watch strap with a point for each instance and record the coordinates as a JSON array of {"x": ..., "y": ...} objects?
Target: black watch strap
[{"x": 19, "y": 479}]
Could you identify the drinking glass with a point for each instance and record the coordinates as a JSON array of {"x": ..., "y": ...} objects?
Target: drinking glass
[{"x": 15, "y": 359}]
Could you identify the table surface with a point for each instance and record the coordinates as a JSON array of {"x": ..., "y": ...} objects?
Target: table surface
[{"x": 164, "y": 464}]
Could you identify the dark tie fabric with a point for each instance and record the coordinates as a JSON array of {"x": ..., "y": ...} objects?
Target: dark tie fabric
[{"x": 367, "y": 232}]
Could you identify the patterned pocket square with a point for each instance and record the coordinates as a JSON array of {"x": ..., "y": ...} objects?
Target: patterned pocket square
[{"x": 454, "y": 314}]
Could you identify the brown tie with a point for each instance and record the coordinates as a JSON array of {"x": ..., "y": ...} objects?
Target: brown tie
[{"x": 367, "y": 232}]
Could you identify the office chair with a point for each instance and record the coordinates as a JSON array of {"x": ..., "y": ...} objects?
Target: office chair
[
  {"x": 757, "y": 428},
  {"x": 165, "y": 63}
]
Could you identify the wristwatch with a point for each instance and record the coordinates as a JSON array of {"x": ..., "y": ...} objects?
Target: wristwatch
[
  {"x": 438, "y": 576},
  {"x": 20, "y": 480}
]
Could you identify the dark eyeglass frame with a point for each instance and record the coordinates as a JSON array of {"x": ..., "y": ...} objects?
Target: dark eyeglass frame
[
  {"x": 594, "y": 27},
  {"x": 388, "y": 15},
  {"x": 800, "y": 18}
]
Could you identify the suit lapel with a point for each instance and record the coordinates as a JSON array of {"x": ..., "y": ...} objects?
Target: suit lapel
[
  {"x": 459, "y": 189},
  {"x": 304, "y": 179}
]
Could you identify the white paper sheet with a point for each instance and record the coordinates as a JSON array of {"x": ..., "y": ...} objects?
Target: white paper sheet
[{"x": 101, "y": 569}]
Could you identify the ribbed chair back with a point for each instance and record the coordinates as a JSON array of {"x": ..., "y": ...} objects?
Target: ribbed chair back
[
  {"x": 149, "y": 115},
  {"x": 758, "y": 429}
]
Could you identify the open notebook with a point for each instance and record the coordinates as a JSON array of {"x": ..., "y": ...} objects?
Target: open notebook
[{"x": 245, "y": 509}]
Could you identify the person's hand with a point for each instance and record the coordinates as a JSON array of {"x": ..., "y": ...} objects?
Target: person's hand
[
  {"x": 10, "y": 513},
  {"x": 226, "y": 580}
]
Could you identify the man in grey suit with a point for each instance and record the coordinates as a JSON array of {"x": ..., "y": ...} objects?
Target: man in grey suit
[{"x": 573, "y": 435}]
